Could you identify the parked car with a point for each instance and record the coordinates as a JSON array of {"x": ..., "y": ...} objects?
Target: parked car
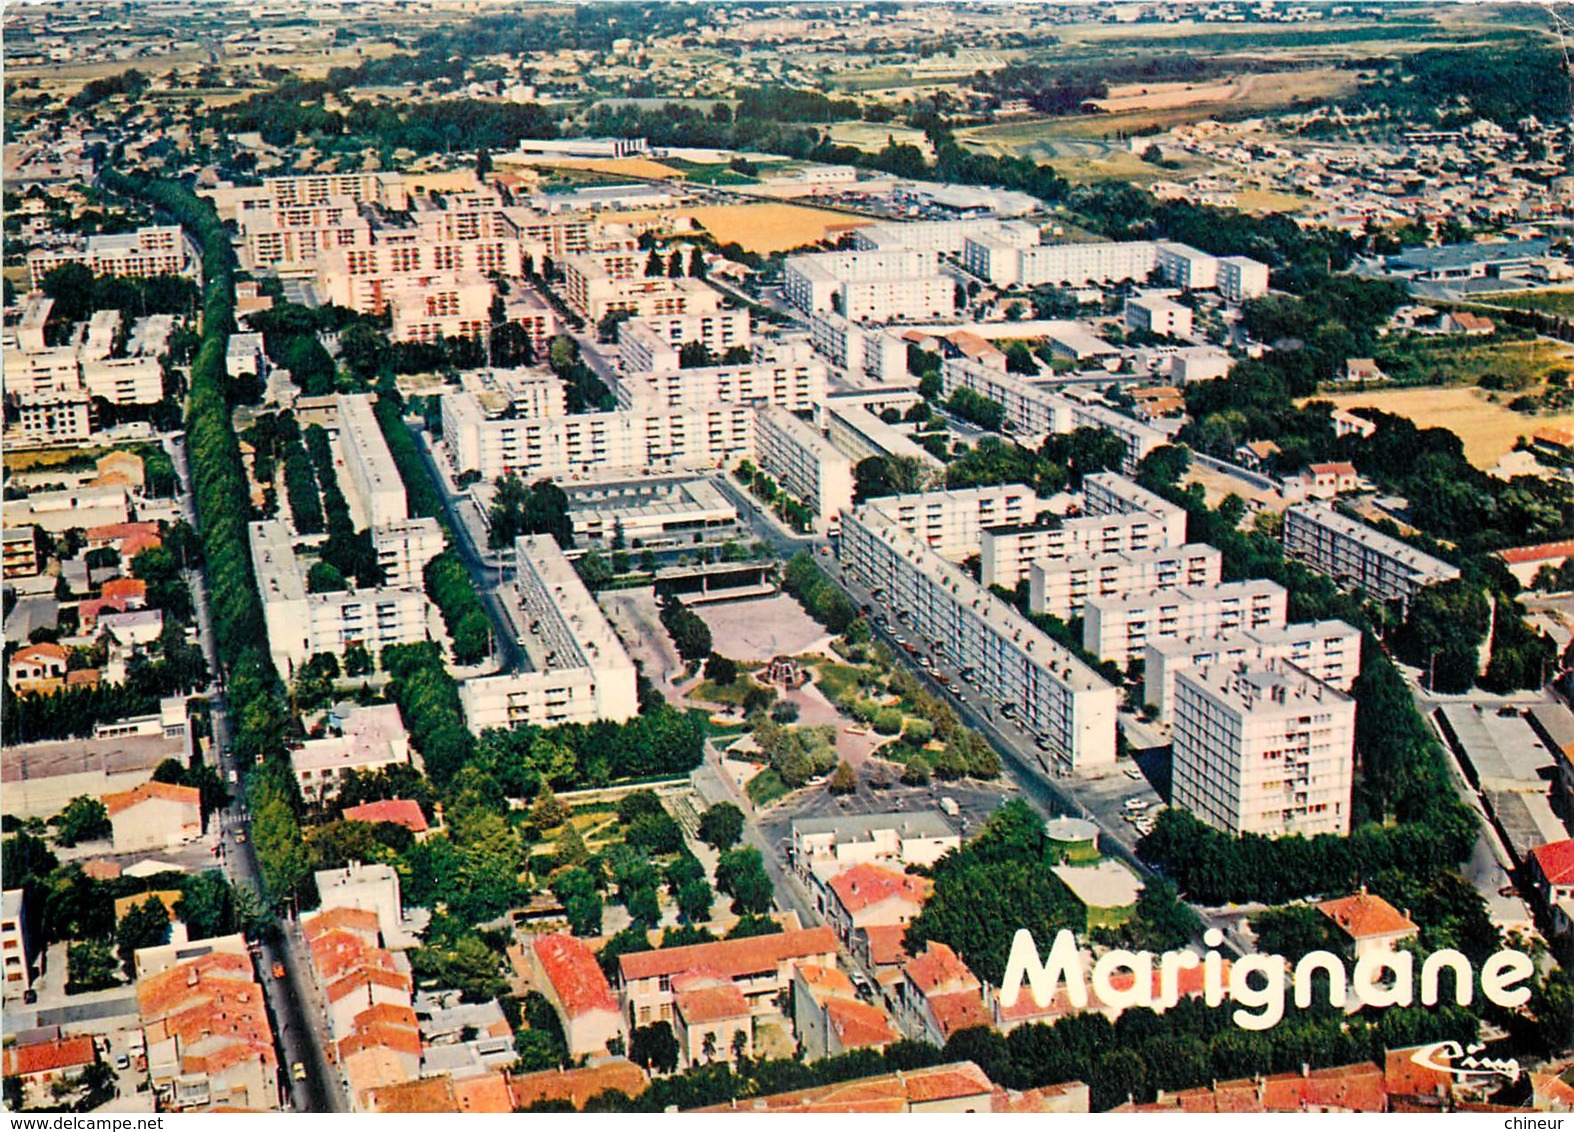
[{"x": 299, "y": 1071}]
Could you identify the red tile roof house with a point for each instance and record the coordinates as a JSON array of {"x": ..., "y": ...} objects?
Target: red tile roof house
[
  {"x": 207, "y": 1035},
  {"x": 867, "y": 895},
  {"x": 959, "y": 1087},
  {"x": 44, "y": 1064},
  {"x": 398, "y": 811},
  {"x": 1368, "y": 921},
  {"x": 36, "y": 668},
  {"x": 760, "y": 966},
  {"x": 939, "y": 995},
  {"x": 566, "y": 972},
  {"x": 829, "y": 1017},
  {"x": 155, "y": 815},
  {"x": 1551, "y": 868},
  {"x": 711, "y": 1019}
]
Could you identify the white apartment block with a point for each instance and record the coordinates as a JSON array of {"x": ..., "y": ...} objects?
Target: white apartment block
[
  {"x": 1241, "y": 278},
  {"x": 1056, "y": 696},
  {"x": 1060, "y": 588},
  {"x": 950, "y": 523},
  {"x": 1035, "y": 412},
  {"x": 786, "y": 374},
  {"x": 1008, "y": 554},
  {"x": 870, "y": 286},
  {"x": 158, "y": 250},
  {"x": 1186, "y": 267},
  {"x": 363, "y": 278},
  {"x": 42, "y": 373},
  {"x": 1327, "y": 650},
  {"x": 55, "y": 418},
  {"x": 1119, "y": 628},
  {"x": 456, "y": 306},
  {"x": 124, "y": 381},
  {"x": 291, "y": 239},
  {"x": 300, "y": 624},
  {"x": 374, "y": 477},
  {"x": 945, "y": 236},
  {"x": 404, "y": 547},
  {"x": 524, "y": 392},
  {"x": 861, "y": 434},
  {"x": 1266, "y": 750},
  {"x": 558, "y": 235},
  {"x": 1010, "y": 260},
  {"x": 655, "y": 440},
  {"x": 602, "y": 283},
  {"x": 578, "y": 670},
  {"x": 1105, "y": 493},
  {"x": 1158, "y": 314},
  {"x": 869, "y": 351},
  {"x": 1357, "y": 556},
  {"x": 652, "y": 344},
  {"x": 807, "y": 465}
]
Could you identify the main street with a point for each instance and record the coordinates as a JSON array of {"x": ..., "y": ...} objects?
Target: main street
[{"x": 299, "y": 1017}]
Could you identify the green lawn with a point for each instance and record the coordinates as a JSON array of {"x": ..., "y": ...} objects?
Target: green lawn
[
  {"x": 836, "y": 680},
  {"x": 765, "y": 787}
]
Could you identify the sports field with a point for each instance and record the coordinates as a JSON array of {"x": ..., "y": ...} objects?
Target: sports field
[{"x": 763, "y": 228}]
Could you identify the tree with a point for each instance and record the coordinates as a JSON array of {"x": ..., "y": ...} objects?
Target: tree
[
  {"x": 594, "y": 571},
  {"x": 358, "y": 661},
  {"x": 654, "y": 264},
  {"x": 83, "y": 819},
  {"x": 720, "y": 670},
  {"x": 1292, "y": 931},
  {"x": 721, "y": 826},
  {"x": 576, "y": 889},
  {"x": 547, "y": 812},
  {"x": 740, "y": 873},
  {"x": 694, "y": 901},
  {"x": 90, "y": 966},
  {"x": 144, "y": 925},
  {"x": 654, "y": 1047},
  {"x": 696, "y": 263},
  {"x": 675, "y": 266},
  {"x": 324, "y": 577},
  {"x": 844, "y": 780}
]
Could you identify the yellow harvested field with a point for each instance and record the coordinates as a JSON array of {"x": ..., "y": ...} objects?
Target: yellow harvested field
[
  {"x": 1164, "y": 96},
  {"x": 761, "y": 228},
  {"x": 616, "y": 166},
  {"x": 1489, "y": 431}
]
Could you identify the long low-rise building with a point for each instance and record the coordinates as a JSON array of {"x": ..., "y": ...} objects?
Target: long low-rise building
[
  {"x": 1118, "y": 628},
  {"x": 374, "y": 477},
  {"x": 578, "y": 670},
  {"x": 1327, "y": 650},
  {"x": 1118, "y": 517},
  {"x": 493, "y": 442},
  {"x": 156, "y": 250},
  {"x": 1359, "y": 556},
  {"x": 1034, "y": 412},
  {"x": 904, "y": 284},
  {"x": 1060, "y": 588},
  {"x": 1056, "y": 695},
  {"x": 300, "y": 623},
  {"x": 1265, "y": 750},
  {"x": 643, "y": 513},
  {"x": 870, "y": 351},
  {"x": 807, "y": 465}
]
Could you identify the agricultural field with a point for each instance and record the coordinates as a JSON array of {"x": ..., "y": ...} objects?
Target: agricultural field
[
  {"x": 762, "y": 228},
  {"x": 1549, "y": 302},
  {"x": 872, "y": 136},
  {"x": 614, "y": 167},
  {"x": 1488, "y": 430}
]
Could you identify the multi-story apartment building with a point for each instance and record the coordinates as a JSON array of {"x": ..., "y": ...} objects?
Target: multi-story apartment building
[
  {"x": 558, "y": 235},
  {"x": 1118, "y": 628},
  {"x": 1034, "y": 412},
  {"x": 1014, "y": 257},
  {"x": 42, "y": 373},
  {"x": 597, "y": 284},
  {"x": 1266, "y": 750},
  {"x": 652, "y": 344},
  {"x": 861, "y": 434},
  {"x": 1158, "y": 314},
  {"x": 786, "y": 374},
  {"x": 1241, "y": 278},
  {"x": 945, "y": 236},
  {"x": 1060, "y": 588},
  {"x": 374, "y": 477},
  {"x": 1054, "y": 695},
  {"x": 487, "y": 441},
  {"x": 1119, "y": 517},
  {"x": 55, "y": 418},
  {"x": 1356, "y": 555},
  {"x": 300, "y": 623},
  {"x": 807, "y": 465},
  {"x": 1329, "y": 651},
  {"x": 867, "y": 351},
  {"x": 292, "y": 239},
  {"x": 870, "y": 286},
  {"x": 124, "y": 381},
  {"x": 158, "y": 250},
  {"x": 1186, "y": 267},
  {"x": 405, "y": 546},
  {"x": 577, "y": 668},
  {"x": 950, "y": 523},
  {"x": 16, "y": 945},
  {"x": 449, "y": 306},
  {"x": 24, "y": 557}
]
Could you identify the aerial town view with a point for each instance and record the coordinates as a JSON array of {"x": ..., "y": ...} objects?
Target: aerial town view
[{"x": 787, "y": 557}]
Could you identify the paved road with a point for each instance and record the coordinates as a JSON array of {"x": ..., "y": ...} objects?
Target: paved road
[
  {"x": 299, "y": 1027},
  {"x": 714, "y": 785}
]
